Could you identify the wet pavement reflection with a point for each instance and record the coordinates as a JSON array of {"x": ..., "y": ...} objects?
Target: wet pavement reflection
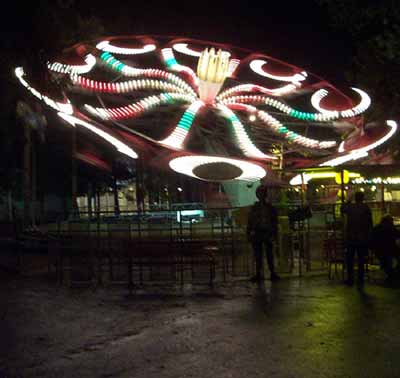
[{"x": 308, "y": 327}]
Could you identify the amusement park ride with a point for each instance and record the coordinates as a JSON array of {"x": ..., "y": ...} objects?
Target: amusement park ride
[{"x": 210, "y": 111}]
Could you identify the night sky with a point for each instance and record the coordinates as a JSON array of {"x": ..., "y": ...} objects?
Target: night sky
[{"x": 296, "y": 32}]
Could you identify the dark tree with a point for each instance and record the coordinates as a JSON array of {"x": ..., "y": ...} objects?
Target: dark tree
[
  {"x": 33, "y": 34},
  {"x": 373, "y": 27}
]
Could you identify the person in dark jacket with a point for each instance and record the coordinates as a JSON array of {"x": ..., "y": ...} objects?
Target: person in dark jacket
[
  {"x": 358, "y": 230},
  {"x": 384, "y": 244},
  {"x": 262, "y": 229}
]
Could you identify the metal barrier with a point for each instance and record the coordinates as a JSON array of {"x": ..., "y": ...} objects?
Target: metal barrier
[
  {"x": 184, "y": 245},
  {"x": 222, "y": 232}
]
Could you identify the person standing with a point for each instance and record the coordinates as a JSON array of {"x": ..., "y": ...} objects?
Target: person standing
[
  {"x": 358, "y": 230},
  {"x": 262, "y": 229},
  {"x": 383, "y": 243}
]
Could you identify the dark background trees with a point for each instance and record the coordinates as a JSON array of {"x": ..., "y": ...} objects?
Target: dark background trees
[{"x": 373, "y": 30}]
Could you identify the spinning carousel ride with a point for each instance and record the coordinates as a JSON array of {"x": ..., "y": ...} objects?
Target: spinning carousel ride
[{"x": 207, "y": 110}]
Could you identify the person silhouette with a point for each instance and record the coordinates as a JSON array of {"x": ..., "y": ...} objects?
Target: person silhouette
[
  {"x": 383, "y": 243},
  {"x": 358, "y": 230},
  {"x": 262, "y": 228}
]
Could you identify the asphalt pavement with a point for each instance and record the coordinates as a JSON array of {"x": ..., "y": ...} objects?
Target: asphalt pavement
[{"x": 297, "y": 327}]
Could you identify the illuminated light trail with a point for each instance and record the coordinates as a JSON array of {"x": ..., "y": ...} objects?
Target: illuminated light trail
[
  {"x": 305, "y": 116},
  {"x": 126, "y": 70},
  {"x": 280, "y": 129},
  {"x": 183, "y": 49},
  {"x": 354, "y": 154},
  {"x": 71, "y": 69},
  {"x": 252, "y": 88},
  {"x": 137, "y": 108},
  {"x": 307, "y": 176},
  {"x": 393, "y": 128},
  {"x": 107, "y": 46},
  {"x": 59, "y": 106},
  {"x": 292, "y": 136},
  {"x": 356, "y": 110},
  {"x": 243, "y": 140},
  {"x": 177, "y": 137},
  {"x": 172, "y": 64},
  {"x": 121, "y": 147},
  {"x": 125, "y": 86},
  {"x": 361, "y": 152},
  {"x": 154, "y": 79},
  {"x": 257, "y": 66},
  {"x": 187, "y": 164}
]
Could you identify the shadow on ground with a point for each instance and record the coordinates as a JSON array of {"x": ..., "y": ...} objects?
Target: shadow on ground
[{"x": 308, "y": 327}]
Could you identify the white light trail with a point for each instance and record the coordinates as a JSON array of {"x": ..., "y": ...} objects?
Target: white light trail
[
  {"x": 59, "y": 106},
  {"x": 184, "y": 49},
  {"x": 364, "y": 104},
  {"x": 169, "y": 59},
  {"x": 121, "y": 147},
  {"x": 186, "y": 165},
  {"x": 362, "y": 152},
  {"x": 73, "y": 69},
  {"x": 243, "y": 140},
  {"x": 257, "y": 66},
  {"x": 256, "y": 88},
  {"x": 177, "y": 137},
  {"x": 107, "y": 46}
]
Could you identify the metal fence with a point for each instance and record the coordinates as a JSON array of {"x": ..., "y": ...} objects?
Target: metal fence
[
  {"x": 298, "y": 249},
  {"x": 183, "y": 244}
]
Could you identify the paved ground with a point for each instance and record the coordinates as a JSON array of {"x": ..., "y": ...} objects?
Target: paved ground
[{"x": 306, "y": 327}]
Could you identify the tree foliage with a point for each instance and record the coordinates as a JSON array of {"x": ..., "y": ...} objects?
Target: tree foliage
[{"x": 374, "y": 30}]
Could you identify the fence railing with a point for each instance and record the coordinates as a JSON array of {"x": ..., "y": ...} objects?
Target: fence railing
[{"x": 299, "y": 247}]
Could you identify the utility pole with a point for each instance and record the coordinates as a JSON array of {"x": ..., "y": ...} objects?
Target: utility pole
[
  {"x": 116, "y": 199},
  {"x": 74, "y": 181},
  {"x": 33, "y": 180},
  {"x": 27, "y": 174}
]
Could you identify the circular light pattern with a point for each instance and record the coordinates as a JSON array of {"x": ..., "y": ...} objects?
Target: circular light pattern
[
  {"x": 158, "y": 81},
  {"x": 361, "y": 152},
  {"x": 257, "y": 66},
  {"x": 335, "y": 114},
  {"x": 188, "y": 164}
]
